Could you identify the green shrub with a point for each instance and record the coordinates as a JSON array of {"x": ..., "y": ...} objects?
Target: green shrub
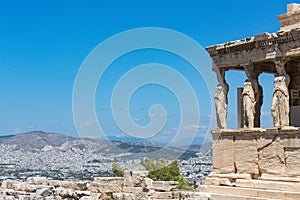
[
  {"x": 161, "y": 171},
  {"x": 117, "y": 170}
]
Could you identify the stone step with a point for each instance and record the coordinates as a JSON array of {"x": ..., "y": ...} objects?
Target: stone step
[
  {"x": 269, "y": 185},
  {"x": 250, "y": 192},
  {"x": 234, "y": 197},
  {"x": 269, "y": 177}
]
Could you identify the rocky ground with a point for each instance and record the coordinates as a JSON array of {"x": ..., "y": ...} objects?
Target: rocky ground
[{"x": 133, "y": 186}]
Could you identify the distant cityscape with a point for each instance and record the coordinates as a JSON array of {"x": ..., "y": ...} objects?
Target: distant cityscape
[{"x": 70, "y": 160}]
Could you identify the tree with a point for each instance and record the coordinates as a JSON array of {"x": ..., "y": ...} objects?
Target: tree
[
  {"x": 183, "y": 185},
  {"x": 117, "y": 170},
  {"x": 161, "y": 171}
]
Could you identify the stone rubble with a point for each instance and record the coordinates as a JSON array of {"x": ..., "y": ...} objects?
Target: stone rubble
[{"x": 135, "y": 185}]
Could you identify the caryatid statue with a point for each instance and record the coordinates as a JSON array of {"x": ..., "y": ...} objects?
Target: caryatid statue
[
  {"x": 248, "y": 98},
  {"x": 280, "y": 103},
  {"x": 221, "y": 106},
  {"x": 221, "y": 100},
  {"x": 258, "y": 92}
]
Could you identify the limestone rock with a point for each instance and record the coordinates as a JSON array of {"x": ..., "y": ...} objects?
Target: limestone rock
[
  {"x": 80, "y": 185},
  {"x": 133, "y": 190},
  {"x": 7, "y": 184},
  {"x": 118, "y": 196},
  {"x": 38, "y": 180},
  {"x": 147, "y": 183},
  {"x": 69, "y": 193},
  {"x": 128, "y": 196},
  {"x": 86, "y": 198},
  {"x": 128, "y": 179},
  {"x": 9, "y": 198},
  {"x": 44, "y": 192},
  {"x": 36, "y": 197},
  {"x": 104, "y": 188},
  {"x": 134, "y": 178},
  {"x": 109, "y": 180},
  {"x": 164, "y": 186},
  {"x": 162, "y": 195}
]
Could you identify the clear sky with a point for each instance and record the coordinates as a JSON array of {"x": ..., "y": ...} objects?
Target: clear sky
[{"x": 43, "y": 44}]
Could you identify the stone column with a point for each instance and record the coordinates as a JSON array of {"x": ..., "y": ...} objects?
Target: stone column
[
  {"x": 258, "y": 92},
  {"x": 221, "y": 99}
]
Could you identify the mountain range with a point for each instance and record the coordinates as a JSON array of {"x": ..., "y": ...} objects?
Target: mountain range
[{"x": 39, "y": 141}]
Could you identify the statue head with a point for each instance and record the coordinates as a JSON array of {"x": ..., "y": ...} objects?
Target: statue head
[
  {"x": 280, "y": 85},
  {"x": 219, "y": 89},
  {"x": 219, "y": 93},
  {"x": 247, "y": 86},
  {"x": 279, "y": 81}
]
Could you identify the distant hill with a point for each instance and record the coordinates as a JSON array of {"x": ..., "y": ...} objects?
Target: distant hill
[
  {"x": 45, "y": 152},
  {"x": 198, "y": 141},
  {"x": 37, "y": 141}
]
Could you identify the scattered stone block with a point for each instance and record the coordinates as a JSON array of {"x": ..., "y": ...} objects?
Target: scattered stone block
[
  {"x": 164, "y": 186},
  {"x": 44, "y": 192},
  {"x": 134, "y": 178},
  {"x": 86, "y": 198},
  {"x": 133, "y": 190},
  {"x": 38, "y": 180},
  {"x": 162, "y": 195},
  {"x": 36, "y": 197},
  {"x": 109, "y": 180},
  {"x": 147, "y": 183},
  {"x": 118, "y": 196},
  {"x": 128, "y": 196}
]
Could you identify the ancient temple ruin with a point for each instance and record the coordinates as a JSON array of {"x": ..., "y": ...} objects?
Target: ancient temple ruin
[{"x": 251, "y": 161}]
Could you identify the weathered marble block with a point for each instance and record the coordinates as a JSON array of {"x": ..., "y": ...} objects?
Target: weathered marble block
[
  {"x": 257, "y": 152},
  {"x": 271, "y": 155},
  {"x": 246, "y": 154},
  {"x": 223, "y": 154},
  {"x": 292, "y": 162}
]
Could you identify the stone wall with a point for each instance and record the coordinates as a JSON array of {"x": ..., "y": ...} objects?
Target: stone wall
[
  {"x": 255, "y": 163},
  {"x": 255, "y": 153}
]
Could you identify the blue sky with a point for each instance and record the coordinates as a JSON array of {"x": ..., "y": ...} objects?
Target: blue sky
[{"x": 43, "y": 43}]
